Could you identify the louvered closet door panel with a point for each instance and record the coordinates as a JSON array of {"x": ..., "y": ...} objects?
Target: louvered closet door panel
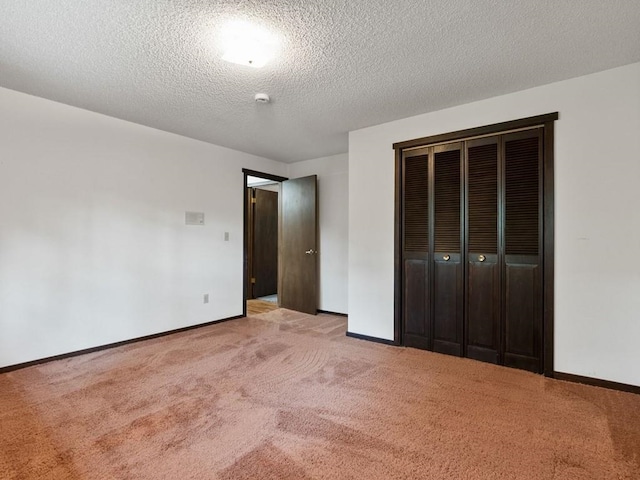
[
  {"x": 448, "y": 307},
  {"x": 483, "y": 267},
  {"x": 523, "y": 268},
  {"x": 415, "y": 245}
]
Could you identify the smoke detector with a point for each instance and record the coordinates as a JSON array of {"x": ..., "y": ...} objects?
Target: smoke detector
[{"x": 262, "y": 98}]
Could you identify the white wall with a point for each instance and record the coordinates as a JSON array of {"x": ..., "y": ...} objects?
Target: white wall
[
  {"x": 272, "y": 187},
  {"x": 597, "y": 224},
  {"x": 333, "y": 184},
  {"x": 93, "y": 245}
]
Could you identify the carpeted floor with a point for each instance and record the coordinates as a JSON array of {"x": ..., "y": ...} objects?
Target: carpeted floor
[{"x": 284, "y": 395}]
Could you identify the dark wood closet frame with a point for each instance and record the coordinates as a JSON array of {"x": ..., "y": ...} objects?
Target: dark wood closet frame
[
  {"x": 546, "y": 123},
  {"x": 245, "y": 202}
]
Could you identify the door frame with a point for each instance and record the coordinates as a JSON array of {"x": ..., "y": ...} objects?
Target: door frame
[
  {"x": 547, "y": 123},
  {"x": 245, "y": 246}
]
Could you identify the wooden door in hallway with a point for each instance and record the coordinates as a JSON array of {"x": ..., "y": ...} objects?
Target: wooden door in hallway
[{"x": 264, "y": 243}]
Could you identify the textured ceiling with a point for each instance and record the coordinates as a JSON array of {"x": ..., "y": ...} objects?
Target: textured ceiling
[{"x": 343, "y": 65}]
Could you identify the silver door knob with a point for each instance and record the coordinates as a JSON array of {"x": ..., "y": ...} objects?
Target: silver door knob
[
  {"x": 446, "y": 258},
  {"x": 310, "y": 252},
  {"x": 481, "y": 258}
]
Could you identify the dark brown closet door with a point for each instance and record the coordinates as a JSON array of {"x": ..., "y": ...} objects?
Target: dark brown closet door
[
  {"x": 522, "y": 233},
  {"x": 415, "y": 249},
  {"x": 483, "y": 266},
  {"x": 448, "y": 306}
]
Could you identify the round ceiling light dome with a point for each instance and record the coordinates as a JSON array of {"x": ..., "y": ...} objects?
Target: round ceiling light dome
[{"x": 248, "y": 44}]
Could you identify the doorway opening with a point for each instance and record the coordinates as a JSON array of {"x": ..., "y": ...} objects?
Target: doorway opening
[
  {"x": 290, "y": 257},
  {"x": 261, "y": 206}
]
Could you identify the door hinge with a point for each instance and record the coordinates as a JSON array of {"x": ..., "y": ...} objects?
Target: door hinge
[
  {"x": 253, "y": 280},
  {"x": 253, "y": 200}
]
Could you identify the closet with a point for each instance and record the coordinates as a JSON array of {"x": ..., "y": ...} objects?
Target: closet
[{"x": 474, "y": 243}]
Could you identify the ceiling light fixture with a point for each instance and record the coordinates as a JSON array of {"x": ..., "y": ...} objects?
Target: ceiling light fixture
[{"x": 248, "y": 44}]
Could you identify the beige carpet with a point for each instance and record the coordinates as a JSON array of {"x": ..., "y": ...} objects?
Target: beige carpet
[{"x": 287, "y": 396}]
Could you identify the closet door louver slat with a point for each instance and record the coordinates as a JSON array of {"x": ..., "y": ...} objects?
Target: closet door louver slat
[
  {"x": 447, "y": 201},
  {"x": 521, "y": 196},
  {"x": 483, "y": 198},
  {"x": 416, "y": 204}
]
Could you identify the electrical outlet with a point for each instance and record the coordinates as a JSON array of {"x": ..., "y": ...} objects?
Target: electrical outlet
[{"x": 206, "y": 298}]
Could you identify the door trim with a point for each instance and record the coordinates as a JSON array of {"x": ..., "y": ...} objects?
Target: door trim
[
  {"x": 469, "y": 133},
  {"x": 548, "y": 296},
  {"x": 546, "y": 122},
  {"x": 245, "y": 234}
]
